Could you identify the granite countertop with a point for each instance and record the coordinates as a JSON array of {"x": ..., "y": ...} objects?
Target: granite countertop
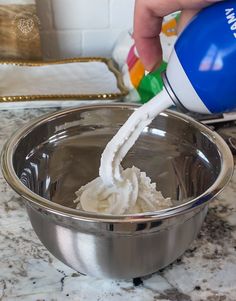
[{"x": 207, "y": 271}]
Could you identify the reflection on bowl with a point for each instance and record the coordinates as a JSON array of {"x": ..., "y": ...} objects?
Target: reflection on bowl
[{"x": 49, "y": 159}]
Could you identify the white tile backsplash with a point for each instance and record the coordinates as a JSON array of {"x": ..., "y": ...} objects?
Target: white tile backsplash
[
  {"x": 69, "y": 43},
  {"x": 61, "y": 44},
  {"x": 99, "y": 42},
  {"x": 80, "y": 14},
  {"x": 85, "y": 27},
  {"x": 121, "y": 13}
]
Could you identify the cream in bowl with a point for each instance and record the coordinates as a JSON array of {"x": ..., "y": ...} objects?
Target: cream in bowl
[{"x": 48, "y": 160}]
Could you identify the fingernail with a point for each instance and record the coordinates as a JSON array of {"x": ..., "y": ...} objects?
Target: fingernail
[{"x": 136, "y": 51}]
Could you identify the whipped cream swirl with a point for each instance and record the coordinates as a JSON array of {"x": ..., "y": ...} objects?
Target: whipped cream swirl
[{"x": 118, "y": 191}]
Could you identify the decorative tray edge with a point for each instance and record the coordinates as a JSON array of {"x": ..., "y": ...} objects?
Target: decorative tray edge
[{"x": 54, "y": 97}]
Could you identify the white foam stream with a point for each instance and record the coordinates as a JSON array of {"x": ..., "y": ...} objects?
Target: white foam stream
[{"x": 119, "y": 191}]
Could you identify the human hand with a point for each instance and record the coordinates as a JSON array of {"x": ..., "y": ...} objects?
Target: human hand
[{"x": 148, "y": 22}]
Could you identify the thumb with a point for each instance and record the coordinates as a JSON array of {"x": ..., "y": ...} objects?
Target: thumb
[
  {"x": 188, "y": 14},
  {"x": 184, "y": 19}
]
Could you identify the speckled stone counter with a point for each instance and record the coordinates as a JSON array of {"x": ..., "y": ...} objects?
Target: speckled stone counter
[{"x": 28, "y": 272}]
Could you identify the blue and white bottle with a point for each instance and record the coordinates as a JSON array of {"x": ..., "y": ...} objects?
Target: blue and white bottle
[{"x": 201, "y": 74}]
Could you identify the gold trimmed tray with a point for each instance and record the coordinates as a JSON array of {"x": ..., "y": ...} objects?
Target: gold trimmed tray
[{"x": 106, "y": 95}]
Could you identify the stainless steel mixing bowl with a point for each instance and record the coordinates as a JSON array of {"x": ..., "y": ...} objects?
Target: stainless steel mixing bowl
[{"x": 49, "y": 159}]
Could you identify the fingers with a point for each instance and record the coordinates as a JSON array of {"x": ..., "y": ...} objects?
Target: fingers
[
  {"x": 195, "y": 4},
  {"x": 184, "y": 19},
  {"x": 147, "y": 28},
  {"x": 148, "y": 22}
]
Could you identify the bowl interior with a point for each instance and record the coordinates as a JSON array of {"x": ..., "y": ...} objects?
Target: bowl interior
[{"x": 61, "y": 153}]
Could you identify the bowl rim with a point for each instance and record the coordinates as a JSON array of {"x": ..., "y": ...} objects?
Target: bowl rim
[{"x": 10, "y": 176}]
